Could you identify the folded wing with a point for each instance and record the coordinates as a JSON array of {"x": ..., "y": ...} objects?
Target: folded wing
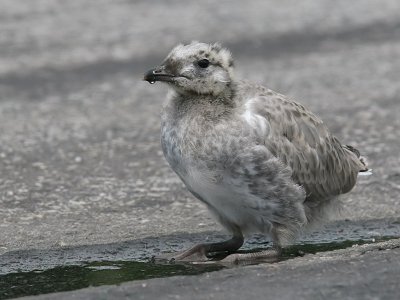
[{"x": 301, "y": 141}]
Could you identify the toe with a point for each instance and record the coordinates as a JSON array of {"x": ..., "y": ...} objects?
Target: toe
[{"x": 249, "y": 258}]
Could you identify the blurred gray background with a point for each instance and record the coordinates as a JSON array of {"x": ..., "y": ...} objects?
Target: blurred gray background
[{"x": 80, "y": 160}]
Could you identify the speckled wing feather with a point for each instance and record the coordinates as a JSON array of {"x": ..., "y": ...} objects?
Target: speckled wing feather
[{"x": 300, "y": 140}]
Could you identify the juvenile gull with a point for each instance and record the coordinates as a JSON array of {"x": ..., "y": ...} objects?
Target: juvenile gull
[{"x": 259, "y": 161}]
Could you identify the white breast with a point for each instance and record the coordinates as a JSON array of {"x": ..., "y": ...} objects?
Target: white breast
[{"x": 230, "y": 201}]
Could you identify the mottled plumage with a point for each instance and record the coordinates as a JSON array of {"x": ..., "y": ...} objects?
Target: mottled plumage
[{"x": 259, "y": 161}]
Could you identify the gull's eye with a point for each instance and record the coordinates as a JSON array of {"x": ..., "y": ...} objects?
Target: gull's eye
[{"x": 203, "y": 63}]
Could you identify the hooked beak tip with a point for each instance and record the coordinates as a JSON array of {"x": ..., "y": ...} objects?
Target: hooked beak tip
[{"x": 149, "y": 76}]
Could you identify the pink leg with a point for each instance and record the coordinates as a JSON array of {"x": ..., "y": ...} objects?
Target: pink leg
[{"x": 200, "y": 252}]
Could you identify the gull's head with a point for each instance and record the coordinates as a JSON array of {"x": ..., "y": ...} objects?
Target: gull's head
[{"x": 195, "y": 68}]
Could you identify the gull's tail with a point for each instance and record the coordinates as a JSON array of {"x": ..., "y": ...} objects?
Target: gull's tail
[{"x": 364, "y": 171}]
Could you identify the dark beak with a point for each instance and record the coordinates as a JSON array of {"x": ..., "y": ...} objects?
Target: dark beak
[{"x": 157, "y": 74}]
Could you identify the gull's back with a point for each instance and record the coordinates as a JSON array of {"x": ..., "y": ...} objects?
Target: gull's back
[{"x": 318, "y": 161}]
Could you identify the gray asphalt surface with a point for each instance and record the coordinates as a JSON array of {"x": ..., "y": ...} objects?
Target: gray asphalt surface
[
  {"x": 80, "y": 159},
  {"x": 364, "y": 272}
]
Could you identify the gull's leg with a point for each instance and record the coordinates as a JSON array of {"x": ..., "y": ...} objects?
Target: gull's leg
[
  {"x": 270, "y": 255},
  {"x": 199, "y": 252}
]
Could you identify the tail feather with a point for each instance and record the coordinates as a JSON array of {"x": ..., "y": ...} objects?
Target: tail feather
[
  {"x": 362, "y": 159},
  {"x": 365, "y": 173}
]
